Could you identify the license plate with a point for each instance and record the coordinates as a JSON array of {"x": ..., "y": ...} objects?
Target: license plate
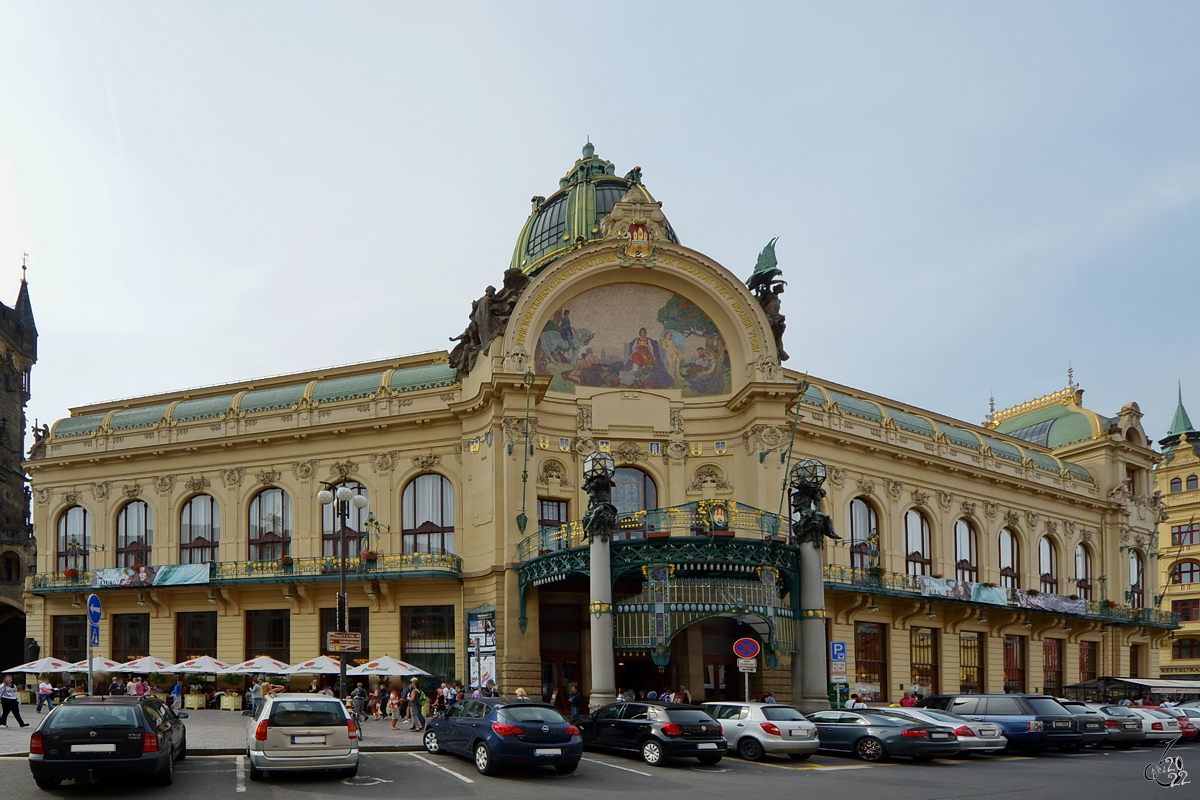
[
  {"x": 1061, "y": 723},
  {"x": 1093, "y": 726},
  {"x": 988, "y": 732},
  {"x": 799, "y": 733},
  {"x": 939, "y": 736},
  {"x": 1132, "y": 726},
  {"x": 308, "y": 740},
  {"x": 93, "y": 748},
  {"x": 548, "y": 751},
  {"x": 706, "y": 746}
]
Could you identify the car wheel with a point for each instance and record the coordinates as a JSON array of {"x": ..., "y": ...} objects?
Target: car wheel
[
  {"x": 483, "y": 760},
  {"x": 749, "y": 749},
  {"x": 350, "y": 772},
  {"x": 166, "y": 773},
  {"x": 432, "y": 745},
  {"x": 799, "y": 756},
  {"x": 47, "y": 783},
  {"x": 710, "y": 760},
  {"x": 869, "y": 748},
  {"x": 566, "y": 769},
  {"x": 256, "y": 774},
  {"x": 652, "y": 753}
]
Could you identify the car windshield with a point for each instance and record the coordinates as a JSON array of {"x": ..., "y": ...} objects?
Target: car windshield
[
  {"x": 890, "y": 717},
  {"x": 688, "y": 715},
  {"x": 92, "y": 715},
  {"x": 292, "y": 713},
  {"x": 1045, "y": 705},
  {"x": 529, "y": 714},
  {"x": 781, "y": 713}
]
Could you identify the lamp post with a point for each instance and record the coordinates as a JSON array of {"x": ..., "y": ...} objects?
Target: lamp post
[
  {"x": 810, "y": 527},
  {"x": 599, "y": 523},
  {"x": 345, "y": 498}
]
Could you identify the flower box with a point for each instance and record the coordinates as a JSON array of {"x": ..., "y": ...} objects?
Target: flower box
[{"x": 71, "y": 574}]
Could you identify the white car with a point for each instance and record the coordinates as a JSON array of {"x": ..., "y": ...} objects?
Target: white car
[
  {"x": 974, "y": 736},
  {"x": 1159, "y": 727},
  {"x": 755, "y": 729},
  {"x": 302, "y": 732}
]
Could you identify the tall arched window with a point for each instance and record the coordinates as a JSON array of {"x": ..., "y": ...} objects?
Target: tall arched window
[
  {"x": 270, "y": 525},
  {"x": 1191, "y": 483},
  {"x": 1010, "y": 558},
  {"x": 633, "y": 491},
  {"x": 1176, "y": 485},
  {"x": 965, "y": 560},
  {"x": 355, "y": 529},
  {"x": 1083, "y": 571},
  {"x": 864, "y": 534},
  {"x": 1137, "y": 580},
  {"x": 1048, "y": 565},
  {"x": 1186, "y": 572},
  {"x": 427, "y": 514},
  {"x": 200, "y": 530},
  {"x": 135, "y": 534},
  {"x": 74, "y": 538},
  {"x": 916, "y": 542}
]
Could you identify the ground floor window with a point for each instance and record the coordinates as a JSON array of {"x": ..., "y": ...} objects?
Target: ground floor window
[
  {"x": 971, "y": 649},
  {"x": 870, "y": 660},
  {"x": 195, "y": 634},
  {"x": 924, "y": 658},
  {"x": 357, "y": 619},
  {"x": 1052, "y": 674},
  {"x": 1135, "y": 660},
  {"x": 429, "y": 640},
  {"x": 1014, "y": 664},
  {"x": 130, "y": 636},
  {"x": 1087, "y": 661},
  {"x": 70, "y": 637},
  {"x": 269, "y": 633}
]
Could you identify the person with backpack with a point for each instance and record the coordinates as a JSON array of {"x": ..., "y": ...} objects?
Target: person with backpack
[{"x": 416, "y": 699}]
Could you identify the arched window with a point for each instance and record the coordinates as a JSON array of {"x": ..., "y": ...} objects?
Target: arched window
[
  {"x": 1048, "y": 565},
  {"x": 864, "y": 534},
  {"x": 916, "y": 542},
  {"x": 1186, "y": 572},
  {"x": 74, "y": 539},
  {"x": 633, "y": 491},
  {"x": 1083, "y": 572},
  {"x": 200, "y": 530},
  {"x": 270, "y": 525},
  {"x": 965, "y": 560},
  {"x": 427, "y": 513},
  {"x": 355, "y": 517},
  {"x": 1176, "y": 485},
  {"x": 1186, "y": 648},
  {"x": 10, "y": 568},
  {"x": 135, "y": 534},
  {"x": 1010, "y": 557},
  {"x": 1191, "y": 483},
  {"x": 1137, "y": 580}
]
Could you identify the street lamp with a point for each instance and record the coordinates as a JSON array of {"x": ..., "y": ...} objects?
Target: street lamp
[
  {"x": 345, "y": 498},
  {"x": 599, "y": 524}
]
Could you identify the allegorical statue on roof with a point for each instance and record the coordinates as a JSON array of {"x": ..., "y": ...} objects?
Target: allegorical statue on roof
[
  {"x": 489, "y": 316},
  {"x": 766, "y": 286}
]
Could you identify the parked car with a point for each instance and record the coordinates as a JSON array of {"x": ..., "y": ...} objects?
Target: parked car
[
  {"x": 105, "y": 737},
  {"x": 1160, "y": 728},
  {"x": 755, "y": 729},
  {"x": 877, "y": 734},
  {"x": 1123, "y": 731},
  {"x": 302, "y": 732},
  {"x": 658, "y": 731},
  {"x": 497, "y": 732},
  {"x": 1030, "y": 722},
  {"x": 1091, "y": 723},
  {"x": 1188, "y": 719},
  {"x": 973, "y": 737}
]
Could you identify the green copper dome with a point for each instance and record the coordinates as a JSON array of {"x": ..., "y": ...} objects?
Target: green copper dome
[{"x": 570, "y": 218}]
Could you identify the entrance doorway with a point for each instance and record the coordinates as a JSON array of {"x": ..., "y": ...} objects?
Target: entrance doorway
[
  {"x": 559, "y": 628},
  {"x": 722, "y": 680}
]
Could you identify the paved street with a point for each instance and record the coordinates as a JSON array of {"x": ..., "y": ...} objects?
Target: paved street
[{"x": 1104, "y": 774}]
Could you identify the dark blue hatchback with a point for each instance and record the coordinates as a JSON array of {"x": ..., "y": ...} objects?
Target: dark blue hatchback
[
  {"x": 497, "y": 732},
  {"x": 1031, "y": 722}
]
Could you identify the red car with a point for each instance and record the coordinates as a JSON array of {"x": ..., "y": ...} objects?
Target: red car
[{"x": 1188, "y": 718}]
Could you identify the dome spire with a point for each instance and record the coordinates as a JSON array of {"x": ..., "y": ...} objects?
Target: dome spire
[{"x": 1181, "y": 423}]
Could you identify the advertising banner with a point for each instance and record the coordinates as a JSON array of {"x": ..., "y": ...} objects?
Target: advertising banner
[
  {"x": 481, "y": 646},
  {"x": 144, "y": 577}
]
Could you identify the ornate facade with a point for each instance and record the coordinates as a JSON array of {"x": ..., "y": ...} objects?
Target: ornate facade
[
  {"x": 1177, "y": 481},
  {"x": 958, "y": 564}
]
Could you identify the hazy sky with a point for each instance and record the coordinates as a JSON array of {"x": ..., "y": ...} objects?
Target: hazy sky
[{"x": 969, "y": 196}]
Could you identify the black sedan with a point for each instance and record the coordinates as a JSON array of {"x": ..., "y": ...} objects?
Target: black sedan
[
  {"x": 874, "y": 735},
  {"x": 496, "y": 732},
  {"x": 658, "y": 731},
  {"x": 105, "y": 737}
]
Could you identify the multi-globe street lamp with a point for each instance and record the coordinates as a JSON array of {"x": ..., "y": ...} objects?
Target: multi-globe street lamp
[{"x": 345, "y": 498}]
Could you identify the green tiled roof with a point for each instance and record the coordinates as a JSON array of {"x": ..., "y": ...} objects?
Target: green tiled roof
[
  {"x": 350, "y": 388},
  {"x": 960, "y": 437},
  {"x": 271, "y": 399},
  {"x": 142, "y": 417},
  {"x": 813, "y": 397},
  {"x": 426, "y": 377},
  {"x": 857, "y": 408},
  {"x": 1066, "y": 425},
  {"x": 911, "y": 422},
  {"x": 1043, "y": 461},
  {"x": 202, "y": 408},
  {"x": 78, "y": 426},
  {"x": 1180, "y": 423},
  {"x": 1003, "y": 449},
  {"x": 1079, "y": 472}
]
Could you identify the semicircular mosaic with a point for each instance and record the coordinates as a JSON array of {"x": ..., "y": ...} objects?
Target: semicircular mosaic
[{"x": 636, "y": 336}]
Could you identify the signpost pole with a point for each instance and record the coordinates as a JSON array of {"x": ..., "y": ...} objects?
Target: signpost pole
[
  {"x": 90, "y": 687},
  {"x": 93, "y": 615}
]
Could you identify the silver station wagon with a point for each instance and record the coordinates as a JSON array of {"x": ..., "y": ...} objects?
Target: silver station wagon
[{"x": 302, "y": 732}]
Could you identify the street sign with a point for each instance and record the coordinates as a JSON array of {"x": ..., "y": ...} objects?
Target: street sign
[
  {"x": 93, "y": 607},
  {"x": 837, "y": 651},
  {"x": 746, "y": 648},
  {"x": 94, "y": 635},
  {"x": 343, "y": 642},
  {"x": 748, "y": 665},
  {"x": 837, "y": 671}
]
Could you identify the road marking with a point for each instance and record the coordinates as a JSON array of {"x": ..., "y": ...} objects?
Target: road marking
[
  {"x": 240, "y": 774},
  {"x": 462, "y": 778},
  {"x": 363, "y": 780},
  {"x": 618, "y": 766}
]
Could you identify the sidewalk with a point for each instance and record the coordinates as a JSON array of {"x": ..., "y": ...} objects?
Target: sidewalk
[{"x": 214, "y": 733}]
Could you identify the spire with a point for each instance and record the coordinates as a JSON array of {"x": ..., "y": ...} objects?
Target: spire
[
  {"x": 1181, "y": 423},
  {"x": 23, "y": 307}
]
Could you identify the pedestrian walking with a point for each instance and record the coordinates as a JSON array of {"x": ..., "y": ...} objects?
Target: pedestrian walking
[
  {"x": 415, "y": 700},
  {"x": 359, "y": 697},
  {"x": 10, "y": 703},
  {"x": 393, "y": 707},
  {"x": 856, "y": 702},
  {"x": 256, "y": 696},
  {"x": 45, "y": 695}
]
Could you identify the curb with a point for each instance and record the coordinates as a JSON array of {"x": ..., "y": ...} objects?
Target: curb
[{"x": 229, "y": 751}]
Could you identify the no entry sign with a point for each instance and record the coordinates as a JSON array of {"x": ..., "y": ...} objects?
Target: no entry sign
[{"x": 746, "y": 648}]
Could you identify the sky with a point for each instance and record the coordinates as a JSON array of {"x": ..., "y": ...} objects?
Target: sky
[{"x": 969, "y": 197}]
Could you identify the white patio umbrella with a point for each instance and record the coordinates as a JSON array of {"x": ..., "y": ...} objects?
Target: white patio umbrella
[
  {"x": 204, "y": 665},
  {"x": 99, "y": 664},
  {"x": 146, "y": 664},
  {"x": 44, "y": 665},
  {"x": 321, "y": 665},
  {"x": 262, "y": 664},
  {"x": 386, "y": 666}
]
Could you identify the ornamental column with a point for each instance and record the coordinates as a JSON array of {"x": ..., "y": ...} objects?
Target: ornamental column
[
  {"x": 599, "y": 523},
  {"x": 810, "y": 691}
]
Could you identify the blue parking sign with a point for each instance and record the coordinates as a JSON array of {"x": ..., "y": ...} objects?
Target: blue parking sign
[{"x": 837, "y": 651}]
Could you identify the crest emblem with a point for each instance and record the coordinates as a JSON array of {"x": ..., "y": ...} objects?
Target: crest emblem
[
  {"x": 655, "y": 449},
  {"x": 564, "y": 444},
  {"x": 697, "y": 449},
  {"x": 718, "y": 515},
  {"x": 720, "y": 448},
  {"x": 639, "y": 241},
  {"x": 474, "y": 445},
  {"x": 543, "y": 442},
  {"x": 604, "y": 446}
]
